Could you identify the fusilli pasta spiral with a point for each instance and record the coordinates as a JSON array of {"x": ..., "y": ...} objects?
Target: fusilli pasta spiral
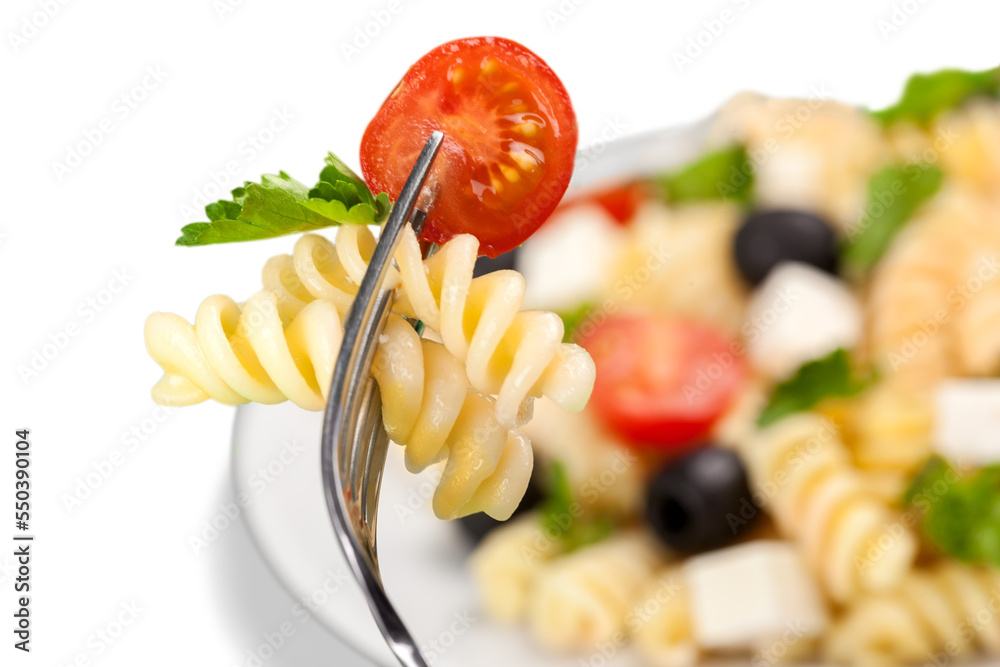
[
  {"x": 803, "y": 475},
  {"x": 677, "y": 261},
  {"x": 933, "y": 302},
  {"x": 888, "y": 430},
  {"x": 506, "y": 565},
  {"x": 937, "y": 614},
  {"x": 584, "y": 598},
  {"x": 512, "y": 354},
  {"x": 664, "y": 634},
  {"x": 814, "y": 154},
  {"x": 235, "y": 355}
]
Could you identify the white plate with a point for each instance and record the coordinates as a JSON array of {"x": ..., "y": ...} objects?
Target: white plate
[{"x": 422, "y": 559}]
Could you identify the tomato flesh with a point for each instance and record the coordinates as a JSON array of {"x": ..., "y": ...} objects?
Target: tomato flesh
[
  {"x": 661, "y": 382},
  {"x": 621, "y": 201},
  {"x": 509, "y": 146}
]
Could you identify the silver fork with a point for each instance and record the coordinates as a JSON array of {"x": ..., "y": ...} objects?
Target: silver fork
[{"x": 355, "y": 443}]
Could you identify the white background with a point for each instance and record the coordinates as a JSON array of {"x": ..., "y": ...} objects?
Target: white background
[{"x": 225, "y": 69}]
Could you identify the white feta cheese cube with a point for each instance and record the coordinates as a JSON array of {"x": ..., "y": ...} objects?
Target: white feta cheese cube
[
  {"x": 752, "y": 595},
  {"x": 566, "y": 261},
  {"x": 799, "y": 314},
  {"x": 967, "y": 420}
]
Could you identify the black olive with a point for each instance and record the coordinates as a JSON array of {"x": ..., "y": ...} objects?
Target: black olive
[
  {"x": 507, "y": 260},
  {"x": 770, "y": 237},
  {"x": 701, "y": 501},
  {"x": 479, "y": 525}
]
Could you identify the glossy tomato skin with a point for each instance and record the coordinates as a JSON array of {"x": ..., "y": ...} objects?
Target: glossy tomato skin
[
  {"x": 509, "y": 146},
  {"x": 662, "y": 382}
]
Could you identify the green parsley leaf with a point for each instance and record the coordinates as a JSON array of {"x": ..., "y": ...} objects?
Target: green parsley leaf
[
  {"x": 573, "y": 318},
  {"x": 961, "y": 513},
  {"x": 558, "y": 507},
  {"x": 894, "y": 195},
  {"x": 280, "y": 205},
  {"x": 562, "y": 516},
  {"x": 927, "y": 95},
  {"x": 714, "y": 176},
  {"x": 829, "y": 377}
]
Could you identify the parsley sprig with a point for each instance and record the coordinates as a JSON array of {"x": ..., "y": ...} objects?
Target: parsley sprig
[
  {"x": 960, "y": 512},
  {"x": 280, "y": 205}
]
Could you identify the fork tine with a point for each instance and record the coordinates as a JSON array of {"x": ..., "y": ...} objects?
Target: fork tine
[{"x": 354, "y": 442}]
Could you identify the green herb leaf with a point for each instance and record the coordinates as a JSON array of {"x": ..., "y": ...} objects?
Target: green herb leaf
[
  {"x": 894, "y": 195},
  {"x": 961, "y": 514},
  {"x": 927, "y": 95},
  {"x": 714, "y": 176},
  {"x": 572, "y": 319},
  {"x": 280, "y": 205},
  {"x": 557, "y": 509},
  {"x": 829, "y": 377},
  {"x": 563, "y": 517}
]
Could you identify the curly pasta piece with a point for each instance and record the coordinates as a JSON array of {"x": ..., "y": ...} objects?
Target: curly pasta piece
[
  {"x": 510, "y": 353},
  {"x": 319, "y": 269},
  {"x": 662, "y": 624},
  {"x": 849, "y": 537},
  {"x": 584, "y": 598},
  {"x": 932, "y": 306},
  {"x": 605, "y": 474},
  {"x": 889, "y": 434},
  {"x": 428, "y": 408},
  {"x": 505, "y": 566},
  {"x": 967, "y": 140},
  {"x": 677, "y": 261},
  {"x": 813, "y": 154},
  {"x": 946, "y": 611},
  {"x": 260, "y": 353},
  {"x": 236, "y": 353}
]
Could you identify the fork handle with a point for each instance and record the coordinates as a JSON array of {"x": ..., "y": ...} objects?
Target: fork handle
[{"x": 351, "y": 485}]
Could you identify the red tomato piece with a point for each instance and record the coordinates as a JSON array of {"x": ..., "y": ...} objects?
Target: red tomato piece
[
  {"x": 661, "y": 382},
  {"x": 509, "y": 147},
  {"x": 621, "y": 201}
]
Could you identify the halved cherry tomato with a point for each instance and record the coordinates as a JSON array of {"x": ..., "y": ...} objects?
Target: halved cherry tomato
[
  {"x": 510, "y": 140},
  {"x": 660, "y": 381}
]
